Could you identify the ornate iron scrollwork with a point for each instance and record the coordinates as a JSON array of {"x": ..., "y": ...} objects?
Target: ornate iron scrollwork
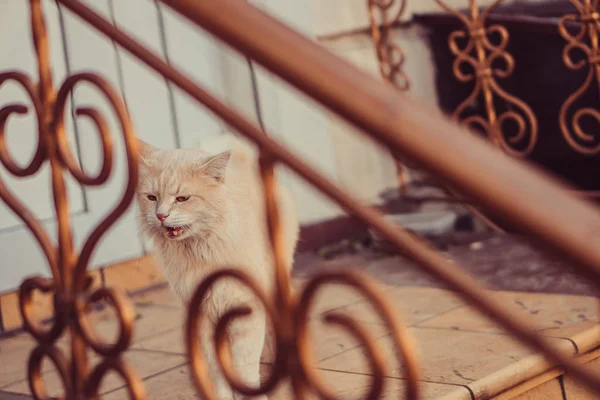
[
  {"x": 584, "y": 41},
  {"x": 383, "y": 14},
  {"x": 478, "y": 55},
  {"x": 69, "y": 285}
]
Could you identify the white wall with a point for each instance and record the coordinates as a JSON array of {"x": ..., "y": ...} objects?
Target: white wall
[
  {"x": 288, "y": 115},
  {"x": 365, "y": 168}
]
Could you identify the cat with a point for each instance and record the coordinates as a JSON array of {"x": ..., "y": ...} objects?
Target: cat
[{"x": 203, "y": 212}]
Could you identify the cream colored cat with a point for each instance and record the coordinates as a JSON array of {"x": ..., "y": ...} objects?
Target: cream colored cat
[{"x": 205, "y": 212}]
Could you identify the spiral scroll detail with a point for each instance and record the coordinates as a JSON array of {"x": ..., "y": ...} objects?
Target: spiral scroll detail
[
  {"x": 583, "y": 41},
  {"x": 481, "y": 60},
  {"x": 299, "y": 354},
  {"x": 70, "y": 285}
]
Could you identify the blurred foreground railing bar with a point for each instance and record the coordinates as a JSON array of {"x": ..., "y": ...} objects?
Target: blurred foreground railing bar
[{"x": 526, "y": 197}]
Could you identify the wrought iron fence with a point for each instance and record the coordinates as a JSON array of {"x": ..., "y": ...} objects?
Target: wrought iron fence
[
  {"x": 527, "y": 198},
  {"x": 586, "y": 41}
]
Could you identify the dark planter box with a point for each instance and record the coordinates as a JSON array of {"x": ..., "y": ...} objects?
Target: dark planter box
[{"x": 540, "y": 79}]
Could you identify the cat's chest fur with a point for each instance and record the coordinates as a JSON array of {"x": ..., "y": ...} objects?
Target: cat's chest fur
[{"x": 185, "y": 264}]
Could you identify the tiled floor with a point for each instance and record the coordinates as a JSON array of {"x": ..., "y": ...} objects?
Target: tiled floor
[{"x": 459, "y": 349}]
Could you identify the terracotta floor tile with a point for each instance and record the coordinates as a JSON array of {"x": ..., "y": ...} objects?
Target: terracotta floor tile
[
  {"x": 43, "y": 308},
  {"x": 445, "y": 356},
  {"x": 575, "y": 390},
  {"x": 329, "y": 340},
  {"x": 134, "y": 275},
  {"x": 326, "y": 341},
  {"x": 14, "y": 353},
  {"x": 333, "y": 297},
  {"x": 549, "y": 390},
  {"x": 145, "y": 363},
  {"x": 161, "y": 297},
  {"x": 14, "y": 396},
  {"x": 162, "y": 387},
  {"x": 284, "y": 392},
  {"x": 413, "y": 304},
  {"x": 355, "y": 386},
  {"x": 149, "y": 321},
  {"x": 552, "y": 315},
  {"x": 585, "y": 335},
  {"x": 174, "y": 384},
  {"x": 520, "y": 376},
  {"x": 171, "y": 341},
  {"x": 43, "y": 305},
  {"x": 466, "y": 349},
  {"x": 18, "y": 349}
]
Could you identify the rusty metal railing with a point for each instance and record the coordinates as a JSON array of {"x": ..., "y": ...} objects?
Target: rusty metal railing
[
  {"x": 543, "y": 208},
  {"x": 383, "y": 14},
  {"x": 475, "y": 55},
  {"x": 478, "y": 55},
  {"x": 481, "y": 43},
  {"x": 586, "y": 41}
]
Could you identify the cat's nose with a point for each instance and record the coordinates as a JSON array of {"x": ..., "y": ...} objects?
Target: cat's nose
[{"x": 162, "y": 217}]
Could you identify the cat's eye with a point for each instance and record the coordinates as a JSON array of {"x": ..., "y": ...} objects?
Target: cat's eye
[
  {"x": 181, "y": 199},
  {"x": 152, "y": 197}
]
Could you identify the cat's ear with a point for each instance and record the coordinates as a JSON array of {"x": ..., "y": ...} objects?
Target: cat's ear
[
  {"x": 145, "y": 151},
  {"x": 216, "y": 166}
]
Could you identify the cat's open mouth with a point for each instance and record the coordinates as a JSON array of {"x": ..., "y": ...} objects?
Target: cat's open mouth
[{"x": 173, "y": 232}]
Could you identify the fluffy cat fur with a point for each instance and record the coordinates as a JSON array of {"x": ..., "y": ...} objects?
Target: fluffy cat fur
[{"x": 219, "y": 203}]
